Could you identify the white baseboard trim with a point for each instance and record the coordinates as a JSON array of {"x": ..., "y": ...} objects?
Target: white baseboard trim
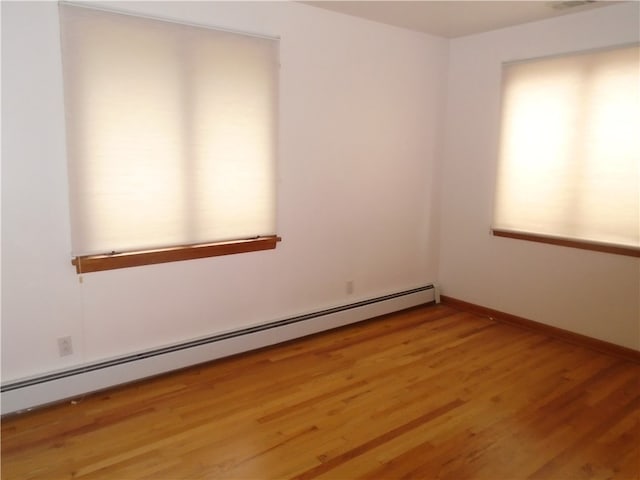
[{"x": 53, "y": 387}]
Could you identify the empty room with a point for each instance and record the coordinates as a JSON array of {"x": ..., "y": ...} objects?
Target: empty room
[{"x": 335, "y": 239}]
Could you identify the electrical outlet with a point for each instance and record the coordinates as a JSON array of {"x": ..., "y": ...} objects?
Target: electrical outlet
[
  {"x": 349, "y": 287},
  {"x": 65, "y": 346}
]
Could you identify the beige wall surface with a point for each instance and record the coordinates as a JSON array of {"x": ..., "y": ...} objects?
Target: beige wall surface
[
  {"x": 359, "y": 116},
  {"x": 591, "y": 293},
  {"x": 371, "y": 190}
]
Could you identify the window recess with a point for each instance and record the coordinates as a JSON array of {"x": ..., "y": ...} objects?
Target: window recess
[
  {"x": 569, "y": 165},
  {"x": 171, "y": 139}
]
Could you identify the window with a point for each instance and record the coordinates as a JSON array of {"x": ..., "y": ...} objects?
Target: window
[
  {"x": 569, "y": 166},
  {"x": 171, "y": 139}
]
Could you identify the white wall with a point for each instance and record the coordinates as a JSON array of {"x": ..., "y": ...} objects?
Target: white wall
[
  {"x": 591, "y": 293},
  {"x": 360, "y": 111},
  {"x": 360, "y": 171}
]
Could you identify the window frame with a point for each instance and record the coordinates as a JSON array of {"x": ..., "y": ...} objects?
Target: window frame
[
  {"x": 559, "y": 240},
  {"x": 94, "y": 262},
  {"x": 116, "y": 260},
  {"x": 567, "y": 242}
]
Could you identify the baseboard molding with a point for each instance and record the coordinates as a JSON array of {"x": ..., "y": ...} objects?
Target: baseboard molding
[
  {"x": 555, "y": 332},
  {"x": 53, "y": 387}
]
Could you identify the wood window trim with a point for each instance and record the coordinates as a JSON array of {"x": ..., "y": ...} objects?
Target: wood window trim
[
  {"x": 565, "y": 242},
  {"x": 97, "y": 263}
]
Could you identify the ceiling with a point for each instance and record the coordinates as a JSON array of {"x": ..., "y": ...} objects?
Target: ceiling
[{"x": 457, "y": 18}]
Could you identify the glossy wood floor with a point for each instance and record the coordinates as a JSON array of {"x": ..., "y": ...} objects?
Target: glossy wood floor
[{"x": 431, "y": 393}]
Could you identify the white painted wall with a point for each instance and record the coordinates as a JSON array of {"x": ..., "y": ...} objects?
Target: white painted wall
[
  {"x": 591, "y": 293},
  {"x": 360, "y": 176},
  {"x": 360, "y": 112}
]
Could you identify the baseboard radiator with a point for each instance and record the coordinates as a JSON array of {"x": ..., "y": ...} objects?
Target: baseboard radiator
[{"x": 53, "y": 387}]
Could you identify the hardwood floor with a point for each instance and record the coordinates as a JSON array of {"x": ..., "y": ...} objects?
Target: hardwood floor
[{"x": 430, "y": 393}]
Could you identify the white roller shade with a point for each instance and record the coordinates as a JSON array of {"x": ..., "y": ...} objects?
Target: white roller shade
[
  {"x": 570, "y": 147},
  {"x": 171, "y": 132}
]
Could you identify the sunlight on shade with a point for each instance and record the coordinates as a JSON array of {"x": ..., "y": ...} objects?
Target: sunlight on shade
[
  {"x": 570, "y": 151},
  {"x": 171, "y": 132},
  {"x": 235, "y": 149}
]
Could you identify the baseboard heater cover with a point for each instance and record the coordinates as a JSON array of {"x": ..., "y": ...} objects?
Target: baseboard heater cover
[{"x": 43, "y": 389}]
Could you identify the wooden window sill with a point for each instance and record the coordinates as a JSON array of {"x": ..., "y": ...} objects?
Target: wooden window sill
[
  {"x": 97, "y": 263},
  {"x": 565, "y": 242}
]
